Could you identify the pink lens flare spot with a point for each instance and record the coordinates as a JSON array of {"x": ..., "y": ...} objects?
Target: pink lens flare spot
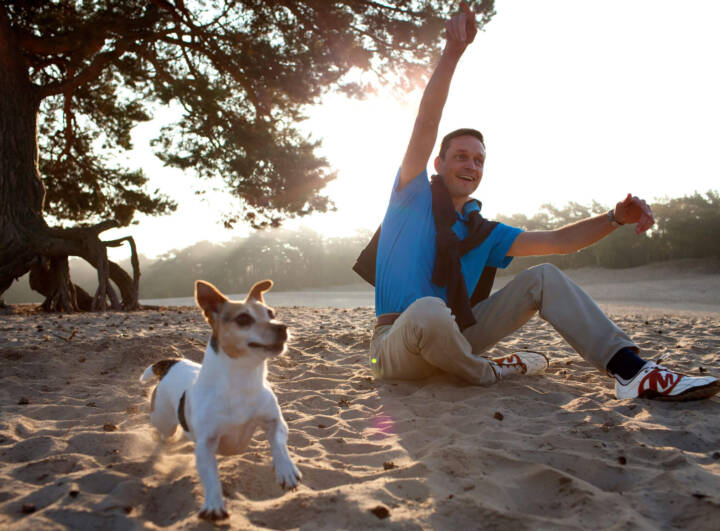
[{"x": 384, "y": 424}]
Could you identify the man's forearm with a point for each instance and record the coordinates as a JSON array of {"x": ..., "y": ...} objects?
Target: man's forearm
[
  {"x": 564, "y": 240},
  {"x": 581, "y": 234},
  {"x": 437, "y": 89}
]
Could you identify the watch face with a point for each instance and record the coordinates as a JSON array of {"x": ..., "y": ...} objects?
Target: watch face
[{"x": 611, "y": 215}]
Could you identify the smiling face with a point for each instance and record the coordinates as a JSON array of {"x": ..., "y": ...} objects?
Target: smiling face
[
  {"x": 242, "y": 329},
  {"x": 462, "y": 167}
]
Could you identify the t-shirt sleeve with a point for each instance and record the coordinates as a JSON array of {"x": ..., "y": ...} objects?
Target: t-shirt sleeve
[
  {"x": 503, "y": 238},
  {"x": 412, "y": 189}
]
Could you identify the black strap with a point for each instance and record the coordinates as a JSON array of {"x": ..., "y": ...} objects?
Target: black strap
[
  {"x": 484, "y": 285},
  {"x": 181, "y": 413}
]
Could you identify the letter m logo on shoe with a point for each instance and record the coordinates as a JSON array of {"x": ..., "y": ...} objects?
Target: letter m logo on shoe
[{"x": 659, "y": 381}]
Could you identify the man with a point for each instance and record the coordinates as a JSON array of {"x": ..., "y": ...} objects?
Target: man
[{"x": 426, "y": 267}]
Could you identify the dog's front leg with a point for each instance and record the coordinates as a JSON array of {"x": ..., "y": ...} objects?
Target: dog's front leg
[
  {"x": 286, "y": 472},
  {"x": 206, "y": 463}
]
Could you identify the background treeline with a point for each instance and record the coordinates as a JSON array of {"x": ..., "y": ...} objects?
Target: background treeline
[
  {"x": 295, "y": 260},
  {"x": 687, "y": 227}
]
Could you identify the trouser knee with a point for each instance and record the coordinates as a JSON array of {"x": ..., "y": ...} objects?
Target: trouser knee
[
  {"x": 540, "y": 276},
  {"x": 537, "y": 272},
  {"x": 430, "y": 313}
]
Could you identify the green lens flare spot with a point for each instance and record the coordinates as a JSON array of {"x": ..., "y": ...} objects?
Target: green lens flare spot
[{"x": 373, "y": 361}]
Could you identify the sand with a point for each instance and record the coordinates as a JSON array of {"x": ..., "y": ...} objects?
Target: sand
[{"x": 549, "y": 452}]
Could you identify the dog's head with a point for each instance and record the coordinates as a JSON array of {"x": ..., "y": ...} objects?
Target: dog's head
[{"x": 242, "y": 329}]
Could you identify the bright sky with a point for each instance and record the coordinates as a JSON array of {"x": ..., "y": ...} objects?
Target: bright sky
[{"x": 577, "y": 101}]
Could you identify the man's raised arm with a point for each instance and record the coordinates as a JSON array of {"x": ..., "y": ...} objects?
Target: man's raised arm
[{"x": 461, "y": 31}]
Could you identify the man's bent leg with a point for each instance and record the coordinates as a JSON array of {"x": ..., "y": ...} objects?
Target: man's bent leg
[
  {"x": 422, "y": 340},
  {"x": 561, "y": 302}
]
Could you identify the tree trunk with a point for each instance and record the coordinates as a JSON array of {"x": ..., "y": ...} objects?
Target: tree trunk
[
  {"x": 21, "y": 190},
  {"x": 27, "y": 243}
]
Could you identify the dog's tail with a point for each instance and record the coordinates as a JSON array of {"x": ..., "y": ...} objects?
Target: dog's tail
[
  {"x": 159, "y": 369},
  {"x": 147, "y": 375}
]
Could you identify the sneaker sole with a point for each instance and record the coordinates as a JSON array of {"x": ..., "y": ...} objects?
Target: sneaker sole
[{"x": 696, "y": 393}]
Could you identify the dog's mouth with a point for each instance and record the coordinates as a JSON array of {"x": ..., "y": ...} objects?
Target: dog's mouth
[{"x": 274, "y": 347}]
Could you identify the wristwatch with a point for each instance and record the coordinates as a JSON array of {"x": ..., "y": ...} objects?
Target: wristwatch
[{"x": 611, "y": 216}]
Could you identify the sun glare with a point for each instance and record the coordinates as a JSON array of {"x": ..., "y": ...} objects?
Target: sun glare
[{"x": 364, "y": 140}]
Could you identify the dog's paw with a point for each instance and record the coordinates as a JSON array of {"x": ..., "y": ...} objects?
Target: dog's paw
[
  {"x": 287, "y": 474},
  {"x": 213, "y": 513}
]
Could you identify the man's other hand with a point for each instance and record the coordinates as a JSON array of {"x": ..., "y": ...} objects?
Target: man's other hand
[{"x": 632, "y": 209}]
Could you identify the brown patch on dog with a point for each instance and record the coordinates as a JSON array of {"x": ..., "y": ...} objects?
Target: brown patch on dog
[
  {"x": 209, "y": 299},
  {"x": 161, "y": 368},
  {"x": 256, "y": 292},
  {"x": 152, "y": 400},
  {"x": 228, "y": 341}
]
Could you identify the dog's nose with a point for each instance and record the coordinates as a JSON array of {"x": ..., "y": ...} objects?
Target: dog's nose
[{"x": 281, "y": 331}]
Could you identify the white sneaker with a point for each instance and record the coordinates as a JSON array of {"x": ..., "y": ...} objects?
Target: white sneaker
[
  {"x": 528, "y": 363},
  {"x": 660, "y": 383}
]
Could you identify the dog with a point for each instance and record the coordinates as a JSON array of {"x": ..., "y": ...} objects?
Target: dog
[{"x": 220, "y": 403}]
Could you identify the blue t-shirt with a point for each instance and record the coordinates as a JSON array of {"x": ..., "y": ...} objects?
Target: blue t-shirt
[{"x": 406, "y": 250}]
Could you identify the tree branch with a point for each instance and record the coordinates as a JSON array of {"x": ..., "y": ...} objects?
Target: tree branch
[
  {"x": 378, "y": 40},
  {"x": 59, "y": 44},
  {"x": 381, "y": 6},
  {"x": 167, "y": 6},
  {"x": 82, "y": 232},
  {"x": 93, "y": 70}
]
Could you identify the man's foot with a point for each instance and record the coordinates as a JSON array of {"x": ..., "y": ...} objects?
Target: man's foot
[
  {"x": 528, "y": 363},
  {"x": 660, "y": 383}
]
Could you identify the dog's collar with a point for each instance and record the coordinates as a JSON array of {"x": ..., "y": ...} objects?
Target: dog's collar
[
  {"x": 214, "y": 344},
  {"x": 181, "y": 413}
]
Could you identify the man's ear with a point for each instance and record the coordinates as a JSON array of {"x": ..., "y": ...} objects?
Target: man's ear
[{"x": 436, "y": 164}]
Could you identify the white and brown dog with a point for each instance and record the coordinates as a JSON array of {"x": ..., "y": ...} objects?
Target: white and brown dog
[{"x": 220, "y": 403}]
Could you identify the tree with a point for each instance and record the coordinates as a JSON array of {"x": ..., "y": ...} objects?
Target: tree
[{"x": 78, "y": 75}]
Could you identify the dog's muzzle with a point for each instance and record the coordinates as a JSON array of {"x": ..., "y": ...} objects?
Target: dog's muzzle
[{"x": 281, "y": 336}]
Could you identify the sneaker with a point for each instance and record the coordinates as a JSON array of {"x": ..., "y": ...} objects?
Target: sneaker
[
  {"x": 528, "y": 363},
  {"x": 660, "y": 383}
]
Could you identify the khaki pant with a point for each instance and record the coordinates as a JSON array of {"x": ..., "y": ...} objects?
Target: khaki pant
[{"x": 425, "y": 338}]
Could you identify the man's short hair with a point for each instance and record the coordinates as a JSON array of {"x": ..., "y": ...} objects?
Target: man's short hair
[{"x": 459, "y": 132}]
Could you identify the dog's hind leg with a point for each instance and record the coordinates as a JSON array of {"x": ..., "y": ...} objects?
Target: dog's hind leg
[
  {"x": 162, "y": 414},
  {"x": 206, "y": 463}
]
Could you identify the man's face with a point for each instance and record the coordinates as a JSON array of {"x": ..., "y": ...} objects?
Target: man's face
[{"x": 462, "y": 165}]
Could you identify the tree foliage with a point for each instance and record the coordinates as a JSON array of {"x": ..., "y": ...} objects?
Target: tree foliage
[
  {"x": 83, "y": 73},
  {"x": 242, "y": 71}
]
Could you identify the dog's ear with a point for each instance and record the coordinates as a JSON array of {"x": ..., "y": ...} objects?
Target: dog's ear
[
  {"x": 208, "y": 298},
  {"x": 256, "y": 292}
]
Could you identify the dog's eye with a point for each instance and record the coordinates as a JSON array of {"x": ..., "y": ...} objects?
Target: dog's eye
[
  {"x": 271, "y": 314},
  {"x": 244, "y": 319}
]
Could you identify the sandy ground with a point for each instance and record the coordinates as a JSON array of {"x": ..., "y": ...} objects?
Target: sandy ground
[{"x": 551, "y": 452}]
